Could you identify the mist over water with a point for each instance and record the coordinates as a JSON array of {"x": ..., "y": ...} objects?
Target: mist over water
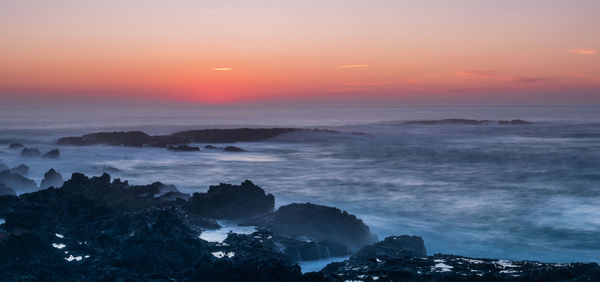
[{"x": 510, "y": 192}]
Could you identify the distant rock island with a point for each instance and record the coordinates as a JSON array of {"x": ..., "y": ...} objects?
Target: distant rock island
[
  {"x": 98, "y": 229},
  {"x": 468, "y": 122},
  {"x": 139, "y": 139}
]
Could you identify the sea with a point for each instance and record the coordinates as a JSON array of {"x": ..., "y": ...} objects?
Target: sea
[{"x": 517, "y": 192}]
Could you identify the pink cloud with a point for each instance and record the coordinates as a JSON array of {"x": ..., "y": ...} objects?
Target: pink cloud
[
  {"x": 584, "y": 51},
  {"x": 368, "y": 83},
  {"x": 352, "y": 66}
]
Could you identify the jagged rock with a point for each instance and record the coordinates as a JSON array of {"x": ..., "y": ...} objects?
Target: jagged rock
[
  {"x": 227, "y": 201},
  {"x": 16, "y": 146},
  {"x": 51, "y": 179},
  {"x": 30, "y": 153},
  {"x": 233, "y": 149},
  {"x": 20, "y": 169},
  {"x": 17, "y": 181},
  {"x": 52, "y": 154},
  {"x": 321, "y": 223},
  {"x": 5, "y": 190},
  {"x": 183, "y": 148}
]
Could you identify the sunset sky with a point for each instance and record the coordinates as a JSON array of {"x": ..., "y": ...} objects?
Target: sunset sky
[{"x": 228, "y": 52}]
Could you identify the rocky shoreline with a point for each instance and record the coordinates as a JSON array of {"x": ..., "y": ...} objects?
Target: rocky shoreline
[{"x": 100, "y": 229}]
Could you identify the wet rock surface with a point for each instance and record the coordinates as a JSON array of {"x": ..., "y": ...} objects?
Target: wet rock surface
[
  {"x": 98, "y": 229},
  {"x": 16, "y": 146},
  {"x": 183, "y": 148},
  {"x": 233, "y": 149}
]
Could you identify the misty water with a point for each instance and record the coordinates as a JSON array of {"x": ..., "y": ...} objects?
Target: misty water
[{"x": 503, "y": 191}]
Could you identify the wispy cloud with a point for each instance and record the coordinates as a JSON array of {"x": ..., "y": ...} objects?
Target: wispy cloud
[
  {"x": 483, "y": 73},
  {"x": 523, "y": 79},
  {"x": 222, "y": 69},
  {"x": 352, "y": 66},
  {"x": 584, "y": 51},
  {"x": 368, "y": 83}
]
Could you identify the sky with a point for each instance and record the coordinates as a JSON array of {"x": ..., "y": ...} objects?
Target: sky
[{"x": 354, "y": 52}]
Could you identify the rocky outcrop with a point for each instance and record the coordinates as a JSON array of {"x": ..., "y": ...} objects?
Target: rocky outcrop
[
  {"x": 20, "y": 169},
  {"x": 30, "y": 153},
  {"x": 183, "y": 148},
  {"x": 227, "y": 201},
  {"x": 52, "y": 154},
  {"x": 320, "y": 223},
  {"x": 16, "y": 146},
  {"x": 17, "y": 181},
  {"x": 51, "y": 179},
  {"x": 391, "y": 247},
  {"x": 233, "y": 149},
  {"x": 467, "y": 122},
  {"x": 139, "y": 139},
  {"x": 5, "y": 190}
]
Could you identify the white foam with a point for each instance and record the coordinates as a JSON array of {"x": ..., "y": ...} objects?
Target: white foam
[
  {"x": 442, "y": 267},
  {"x": 59, "y": 235},
  {"x": 221, "y": 254},
  {"x": 72, "y": 258},
  {"x": 58, "y": 246}
]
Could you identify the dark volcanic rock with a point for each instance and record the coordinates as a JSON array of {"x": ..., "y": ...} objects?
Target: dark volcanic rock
[
  {"x": 52, "y": 154},
  {"x": 51, "y": 179},
  {"x": 20, "y": 169},
  {"x": 227, "y": 201},
  {"x": 5, "y": 190},
  {"x": 16, "y": 146},
  {"x": 184, "y": 148},
  {"x": 391, "y": 247},
  {"x": 321, "y": 223},
  {"x": 17, "y": 181},
  {"x": 233, "y": 149},
  {"x": 30, "y": 153}
]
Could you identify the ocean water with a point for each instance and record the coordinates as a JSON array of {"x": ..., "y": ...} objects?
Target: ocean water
[{"x": 509, "y": 192}]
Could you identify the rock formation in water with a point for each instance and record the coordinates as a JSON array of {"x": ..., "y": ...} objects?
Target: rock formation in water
[
  {"x": 30, "y": 153},
  {"x": 52, "y": 154},
  {"x": 139, "y": 139},
  {"x": 20, "y": 169},
  {"x": 321, "y": 223},
  {"x": 468, "y": 122},
  {"x": 95, "y": 229},
  {"x": 51, "y": 179},
  {"x": 17, "y": 181},
  {"x": 183, "y": 148},
  {"x": 227, "y": 201},
  {"x": 233, "y": 149},
  {"x": 16, "y": 146}
]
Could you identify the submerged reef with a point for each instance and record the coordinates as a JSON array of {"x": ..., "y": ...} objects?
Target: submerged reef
[{"x": 95, "y": 228}]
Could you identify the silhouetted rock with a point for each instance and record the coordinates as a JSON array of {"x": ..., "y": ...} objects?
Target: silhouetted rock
[
  {"x": 52, "y": 154},
  {"x": 321, "y": 223},
  {"x": 20, "y": 169},
  {"x": 139, "y": 139},
  {"x": 450, "y": 121},
  {"x": 130, "y": 139},
  {"x": 17, "y": 181},
  {"x": 51, "y": 179},
  {"x": 211, "y": 147},
  {"x": 391, "y": 247},
  {"x": 5, "y": 190},
  {"x": 227, "y": 201},
  {"x": 184, "y": 148},
  {"x": 233, "y": 149},
  {"x": 16, "y": 146},
  {"x": 233, "y": 135},
  {"x": 30, "y": 153},
  {"x": 513, "y": 122}
]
